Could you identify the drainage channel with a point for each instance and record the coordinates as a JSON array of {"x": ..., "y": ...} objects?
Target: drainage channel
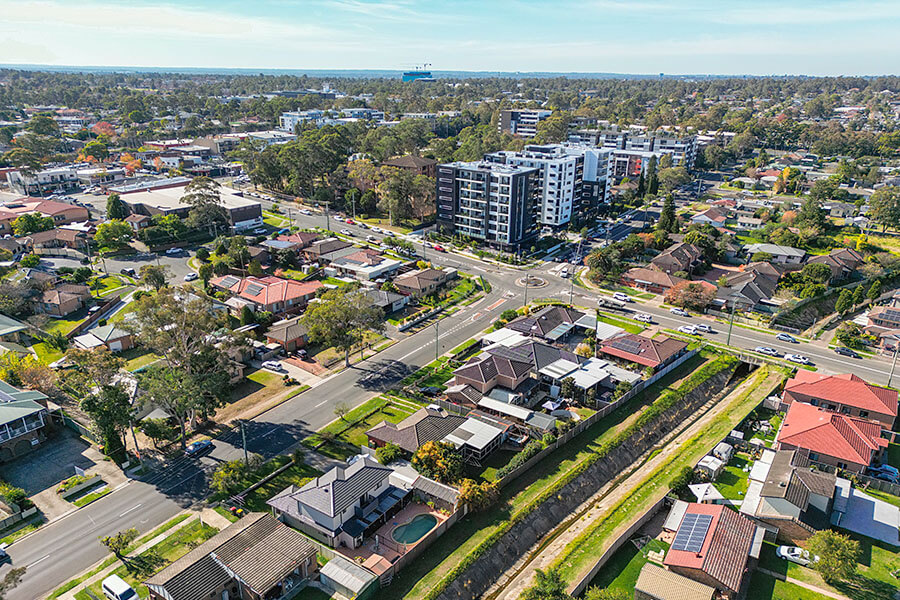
[{"x": 610, "y": 486}]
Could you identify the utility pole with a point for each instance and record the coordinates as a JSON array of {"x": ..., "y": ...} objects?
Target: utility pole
[
  {"x": 894, "y": 362},
  {"x": 290, "y": 219},
  {"x": 731, "y": 322},
  {"x": 244, "y": 443},
  {"x": 526, "y": 290},
  {"x": 327, "y": 218},
  {"x": 137, "y": 449},
  {"x": 437, "y": 341}
]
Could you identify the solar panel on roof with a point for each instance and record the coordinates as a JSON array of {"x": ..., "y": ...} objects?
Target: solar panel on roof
[
  {"x": 254, "y": 289},
  {"x": 229, "y": 281},
  {"x": 692, "y": 532},
  {"x": 627, "y": 345}
]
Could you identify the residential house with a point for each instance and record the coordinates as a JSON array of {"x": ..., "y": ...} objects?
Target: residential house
[
  {"x": 551, "y": 323},
  {"x": 678, "y": 257},
  {"x": 63, "y": 300},
  {"x": 423, "y": 282},
  {"x": 846, "y": 394},
  {"x": 478, "y": 436},
  {"x": 651, "y": 280},
  {"x": 487, "y": 371},
  {"x": 430, "y": 424},
  {"x": 108, "y": 336},
  {"x": 845, "y": 442},
  {"x": 714, "y": 216},
  {"x": 366, "y": 265},
  {"x": 343, "y": 506},
  {"x": 23, "y": 421},
  {"x": 780, "y": 254},
  {"x": 388, "y": 302},
  {"x": 324, "y": 251},
  {"x": 884, "y": 322},
  {"x": 747, "y": 290},
  {"x": 789, "y": 498},
  {"x": 138, "y": 222},
  {"x": 255, "y": 558},
  {"x": 717, "y": 547},
  {"x": 10, "y": 329},
  {"x": 290, "y": 334},
  {"x": 840, "y": 209},
  {"x": 648, "y": 352},
  {"x": 843, "y": 263},
  {"x": 271, "y": 294},
  {"x": 748, "y": 223},
  {"x": 301, "y": 239},
  {"x": 58, "y": 238},
  {"x": 418, "y": 165},
  {"x": 60, "y": 212},
  {"x": 657, "y": 583}
]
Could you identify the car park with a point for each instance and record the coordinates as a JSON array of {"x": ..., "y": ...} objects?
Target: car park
[
  {"x": 643, "y": 318},
  {"x": 621, "y": 297},
  {"x": 679, "y": 311},
  {"x": 797, "y": 358},
  {"x": 273, "y": 365},
  {"x": 767, "y": 351},
  {"x": 846, "y": 352},
  {"x": 198, "y": 448},
  {"x": 688, "y": 329},
  {"x": 191, "y": 277},
  {"x": 784, "y": 337},
  {"x": 796, "y": 554}
]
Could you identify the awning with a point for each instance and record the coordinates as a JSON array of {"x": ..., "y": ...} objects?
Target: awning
[
  {"x": 551, "y": 405},
  {"x": 559, "y": 331}
]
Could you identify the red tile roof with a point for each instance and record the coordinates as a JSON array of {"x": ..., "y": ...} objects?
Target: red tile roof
[
  {"x": 650, "y": 352},
  {"x": 846, "y": 389},
  {"x": 274, "y": 289},
  {"x": 845, "y": 438},
  {"x": 726, "y": 546}
]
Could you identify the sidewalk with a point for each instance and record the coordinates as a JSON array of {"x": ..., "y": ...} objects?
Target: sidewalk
[{"x": 208, "y": 515}]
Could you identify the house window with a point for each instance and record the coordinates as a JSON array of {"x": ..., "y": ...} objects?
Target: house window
[
  {"x": 864, "y": 414},
  {"x": 841, "y": 465},
  {"x": 813, "y": 456}
]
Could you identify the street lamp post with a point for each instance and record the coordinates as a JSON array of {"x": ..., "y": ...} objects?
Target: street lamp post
[
  {"x": 437, "y": 341},
  {"x": 894, "y": 362}
]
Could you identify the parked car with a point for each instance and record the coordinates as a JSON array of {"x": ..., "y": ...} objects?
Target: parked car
[
  {"x": 767, "y": 351},
  {"x": 115, "y": 588},
  {"x": 688, "y": 329},
  {"x": 847, "y": 352},
  {"x": 679, "y": 311},
  {"x": 198, "y": 448},
  {"x": 305, "y": 211},
  {"x": 621, "y": 297},
  {"x": 347, "y": 232},
  {"x": 93, "y": 309},
  {"x": 302, "y": 354},
  {"x": 128, "y": 271},
  {"x": 173, "y": 251},
  {"x": 372, "y": 239},
  {"x": 795, "y": 554},
  {"x": 191, "y": 277},
  {"x": 272, "y": 365},
  {"x": 784, "y": 337},
  {"x": 643, "y": 318},
  {"x": 797, "y": 358},
  {"x": 704, "y": 328},
  {"x": 260, "y": 231},
  {"x": 338, "y": 218}
]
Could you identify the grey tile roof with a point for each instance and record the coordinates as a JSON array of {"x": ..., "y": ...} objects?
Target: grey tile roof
[
  {"x": 424, "y": 425},
  {"x": 338, "y": 489}
]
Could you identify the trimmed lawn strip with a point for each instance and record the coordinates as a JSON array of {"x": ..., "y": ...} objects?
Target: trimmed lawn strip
[
  {"x": 628, "y": 325},
  {"x": 585, "y": 549},
  {"x": 622, "y": 570},
  {"x": 24, "y": 528},
  {"x": 226, "y": 513},
  {"x": 88, "y": 498},
  {"x": 766, "y": 587},
  {"x": 350, "y": 432},
  {"x": 297, "y": 474},
  {"x": 470, "y": 537},
  {"x": 264, "y": 377}
]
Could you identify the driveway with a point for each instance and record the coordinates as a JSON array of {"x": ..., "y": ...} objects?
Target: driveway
[
  {"x": 868, "y": 516},
  {"x": 50, "y": 463}
]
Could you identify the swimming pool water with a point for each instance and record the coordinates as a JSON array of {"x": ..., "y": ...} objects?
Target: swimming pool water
[{"x": 412, "y": 532}]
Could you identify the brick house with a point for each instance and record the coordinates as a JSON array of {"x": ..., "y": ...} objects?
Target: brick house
[
  {"x": 63, "y": 300},
  {"x": 651, "y": 280},
  {"x": 846, "y": 394},
  {"x": 678, "y": 257},
  {"x": 423, "y": 281},
  {"x": 647, "y": 352},
  {"x": 271, "y": 294}
]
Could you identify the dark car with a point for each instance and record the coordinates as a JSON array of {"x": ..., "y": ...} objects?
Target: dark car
[
  {"x": 128, "y": 271},
  {"x": 198, "y": 448},
  {"x": 430, "y": 390},
  {"x": 847, "y": 352}
]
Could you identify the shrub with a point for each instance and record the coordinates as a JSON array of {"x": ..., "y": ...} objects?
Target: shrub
[
  {"x": 684, "y": 478},
  {"x": 531, "y": 449},
  {"x": 388, "y": 453}
]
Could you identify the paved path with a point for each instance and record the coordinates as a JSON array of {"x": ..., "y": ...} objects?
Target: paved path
[{"x": 805, "y": 585}]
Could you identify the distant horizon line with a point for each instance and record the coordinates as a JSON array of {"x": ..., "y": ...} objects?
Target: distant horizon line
[{"x": 449, "y": 73}]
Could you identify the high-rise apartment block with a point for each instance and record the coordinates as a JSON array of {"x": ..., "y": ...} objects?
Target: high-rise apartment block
[
  {"x": 495, "y": 203},
  {"x": 624, "y": 144},
  {"x": 522, "y": 123}
]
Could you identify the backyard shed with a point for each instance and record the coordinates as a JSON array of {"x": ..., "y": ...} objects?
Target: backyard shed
[
  {"x": 723, "y": 451},
  {"x": 711, "y": 466},
  {"x": 348, "y": 579}
]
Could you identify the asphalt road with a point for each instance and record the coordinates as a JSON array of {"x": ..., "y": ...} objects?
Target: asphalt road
[{"x": 60, "y": 550}]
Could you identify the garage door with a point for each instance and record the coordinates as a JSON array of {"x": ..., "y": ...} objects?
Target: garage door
[{"x": 115, "y": 346}]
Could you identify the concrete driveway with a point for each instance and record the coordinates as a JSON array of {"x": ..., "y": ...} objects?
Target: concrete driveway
[{"x": 869, "y": 516}]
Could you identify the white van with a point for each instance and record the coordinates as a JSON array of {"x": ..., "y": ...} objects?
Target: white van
[{"x": 115, "y": 588}]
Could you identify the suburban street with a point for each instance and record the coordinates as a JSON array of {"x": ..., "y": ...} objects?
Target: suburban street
[{"x": 62, "y": 549}]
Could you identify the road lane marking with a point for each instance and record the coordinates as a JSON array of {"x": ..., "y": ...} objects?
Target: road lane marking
[
  {"x": 496, "y": 304},
  {"x": 43, "y": 558},
  {"x": 322, "y": 403},
  {"x": 135, "y": 507}
]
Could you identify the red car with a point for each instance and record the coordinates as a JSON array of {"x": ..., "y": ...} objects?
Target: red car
[
  {"x": 349, "y": 222},
  {"x": 439, "y": 248}
]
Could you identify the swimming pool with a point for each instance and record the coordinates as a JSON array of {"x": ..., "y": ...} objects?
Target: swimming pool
[{"x": 412, "y": 532}]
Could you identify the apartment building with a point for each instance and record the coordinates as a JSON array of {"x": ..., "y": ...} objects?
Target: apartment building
[
  {"x": 522, "y": 123},
  {"x": 573, "y": 179},
  {"x": 288, "y": 121},
  {"x": 635, "y": 148},
  {"x": 495, "y": 203},
  {"x": 54, "y": 179}
]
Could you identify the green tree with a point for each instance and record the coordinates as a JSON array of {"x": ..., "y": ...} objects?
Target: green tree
[
  {"x": 478, "y": 496},
  {"x": 113, "y": 234},
  {"x": 682, "y": 480},
  {"x": 652, "y": 179},
  {"x": 844, "y": 302},
  {"x": 874, "y": 290},
  {"x": 42, "y": 125},
  {"x": 673, "y": 177},
  {"x": 341, "y": 318},
  {"x": 154, "y": 276},
  {"x": 388, "y": 453},
  {"x": 884, "y": 207},
  {"x": 815, "y": 273},
  {"x": 838, "y": 555},
  {"x": 115, "y": 208},
  {"x": 859, "y": 294},
  {"x": 247, "y": 316},
  {"x": 205, "y": 272},
  {"x": 567, "y": 389},
  {"x": 668, "y": 222},
  {"x": 204, "y": 198},
  {"x": 96, "y": 149},
  {"x": 202, "y": 253},
  {"x": 761, "y": 257},
  {"x": 255, "y": 269},
  {"x": 109, "y": 408},
  {"x": 31, "y": 223},
  {"x": 549, "y": 585},
  {"x": 158, "y": 430},
  {"x": 440, "y": 461},
  {"x": 29, "y": 261}
]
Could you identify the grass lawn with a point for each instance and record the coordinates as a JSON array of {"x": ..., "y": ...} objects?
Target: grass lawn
[
  {"x": 622, "y": 570},
  {"x": 226, "y": 513},
  {"x": 891, "y": 244},
  {"x": 264, "y": 377},
  {"x": 627, "y": 325},
  {"x": 488, "y": 470},
  {"x": 416, "y": 579},
  {"x": 45, "y": 353},
  {"x": 438, "y": 377},
  {"x": 889, "y": 498},
  {"x": 65, "y": 324},
  {"x": 297, "y": 474},
  {"x": 766, "y": 587},
  {"x": 156, "y": 558},
  {"x": 138, "y": 357},
  {"x": 106, "y": 283},
  {"x": 732, "y": 481},
  {"x": 350, "y": 432},
  {"x": 22, "y": 528},
  {"x": 88, "y": 498}
]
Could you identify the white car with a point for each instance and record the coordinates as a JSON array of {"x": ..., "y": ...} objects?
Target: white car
[
  {"x": 680, "y": 312},
  {"x": 260, "y": 231},
  {"x": 376, "y": 229},
  {"x": 347, "y": 232},
  {"x": 795, "y": 554},
  {"x": 305, "y": 211},
  {"x": 273, "y": 365},
  {"x": 621, "y": 297},
  {"x": 797, "y": 358},
  {"x": 191, "y": 277},
  {"x": 172, "y": 251},
  {"x": 767, "y": 351},
  {"x": 688, "y": 329},
  {"x": 338, "y": 218},
  {"x": 372, "y": 238},
  {"x": 703, "y": 327},
  {"x": 643, "y": 318}
]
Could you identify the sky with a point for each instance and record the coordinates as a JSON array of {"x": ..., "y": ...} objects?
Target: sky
[{"x": 824, "y": 37}]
